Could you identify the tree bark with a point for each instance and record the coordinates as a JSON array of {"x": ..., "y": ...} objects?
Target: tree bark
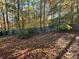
[
  {"x": 41, "y": 14},
  {"x": 4, "y": 20},
  {"x": 18, "y": 19},
  {"x": 7, "y": 20}
]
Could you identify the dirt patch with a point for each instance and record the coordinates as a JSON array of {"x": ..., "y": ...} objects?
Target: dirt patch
[{"x": 42, "y": 46}]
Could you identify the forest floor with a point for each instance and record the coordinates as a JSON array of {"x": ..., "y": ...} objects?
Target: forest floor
[{"x": 58, "y": 45}]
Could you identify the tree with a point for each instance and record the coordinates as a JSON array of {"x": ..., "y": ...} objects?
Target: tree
[
  {"x": 18, "y": 14},
  {"x": 7, "y": 20}
]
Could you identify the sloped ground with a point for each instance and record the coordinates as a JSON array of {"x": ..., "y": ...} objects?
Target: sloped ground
[{"x": 58, "y": 45}]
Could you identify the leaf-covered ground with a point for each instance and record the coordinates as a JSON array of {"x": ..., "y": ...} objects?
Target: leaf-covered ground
[{"x": 58, "y": 45}]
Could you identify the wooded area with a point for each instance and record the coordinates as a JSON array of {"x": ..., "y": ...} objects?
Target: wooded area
[
  {"x": 39, "y": 29},
  {"x": 24, "y": 14}
]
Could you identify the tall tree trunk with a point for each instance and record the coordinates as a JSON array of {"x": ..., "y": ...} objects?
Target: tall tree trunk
[
  {"x": 59, "y": 12},
  {"x": 7, "y": 20},
  {"x": 41, "y": 14},
  {"x": 18, "y": 14},
  {"x": 71, "y": 13},
  {"x": 77, "y": 10},
  {"x": 34, "y": 11},
  {"x": 28, "y": 13},
  {"x": 4, "y": 20},
  {"x": 44, "y": 17},
  {"x": 23, "y": 23}
]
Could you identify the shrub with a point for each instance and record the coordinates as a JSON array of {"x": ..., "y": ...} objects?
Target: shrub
[
  {"x": 59, "y": 26},
  {"x": 27, "y": 33}
]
